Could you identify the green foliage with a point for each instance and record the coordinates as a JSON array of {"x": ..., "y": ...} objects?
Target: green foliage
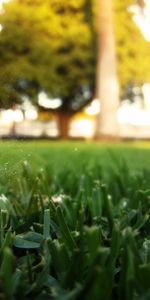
[
  {"x": 46, "y": 45},
  {"x": 132, "y": 49}
]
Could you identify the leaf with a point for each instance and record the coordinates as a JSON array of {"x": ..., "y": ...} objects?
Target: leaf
[
  {"x": 46, "y": 232},
  {"x": 65, "y": 230},
  {"x": 16, "y": 279},
  {"x": 93, "y": 238},
  {"x": 7, "y": 272},
  {"x": 5, "y": 204},
  {"x": 30, "y": 240},
  {"x": 144, "y": 273},
  {"x": 97, "y": 202}
]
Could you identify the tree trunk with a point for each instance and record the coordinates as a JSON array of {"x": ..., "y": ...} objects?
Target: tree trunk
[
  {"x": 107, "y": 85},
  {"x": 63, "y": 124},
  {"x": 13, "y": 127}
]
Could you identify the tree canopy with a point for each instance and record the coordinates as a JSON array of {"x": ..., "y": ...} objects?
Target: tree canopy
[
  {"x": 46, "y": 45},
  {"x": 132, "y": 49},
  {"x": 50, "y": 46}
]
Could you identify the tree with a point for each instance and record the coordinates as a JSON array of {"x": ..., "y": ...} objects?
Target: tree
[
  {"x": 107, "y": 84},
  {"x": 118, "y": 37},
  {"x": 47, "y": 46},
  {"x": 131, "y": 47}
]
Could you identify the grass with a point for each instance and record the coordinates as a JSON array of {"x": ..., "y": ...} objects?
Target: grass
[{"x": 74, "y": 221}]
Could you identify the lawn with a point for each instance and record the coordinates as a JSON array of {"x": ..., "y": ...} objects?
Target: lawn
[
  {"x": 74, "y": 221},
  {"x": 76, "y": 156}
]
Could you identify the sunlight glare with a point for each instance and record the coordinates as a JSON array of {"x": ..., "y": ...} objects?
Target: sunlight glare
[
  {"x": 18, "y": 116},
  {"x": 9, "y": 116},
  {"x": 82, "y": 128},
  {"x": 146, "y": 92},
  {"x": 130, "y": 114},
  {"x": 48, "y": 103},
  {"x": 31, "y": 114},
  {"x": 93, "y": 108}
]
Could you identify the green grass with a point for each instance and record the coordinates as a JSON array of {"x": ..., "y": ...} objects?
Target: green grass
[
  {"x": 74, "y": 221},
  {"x": 57, "y": 156}
]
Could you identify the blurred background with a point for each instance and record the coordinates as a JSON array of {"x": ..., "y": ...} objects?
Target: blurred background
[{"x": 75, "y": 69}]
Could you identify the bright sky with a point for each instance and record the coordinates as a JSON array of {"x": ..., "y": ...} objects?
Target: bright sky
[
  {"x": 1, "y": 2},
  {"x": 142, "y": 19}
]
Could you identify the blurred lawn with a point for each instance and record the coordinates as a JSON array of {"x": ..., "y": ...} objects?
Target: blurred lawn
[{"x": 72, "y": 156}]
